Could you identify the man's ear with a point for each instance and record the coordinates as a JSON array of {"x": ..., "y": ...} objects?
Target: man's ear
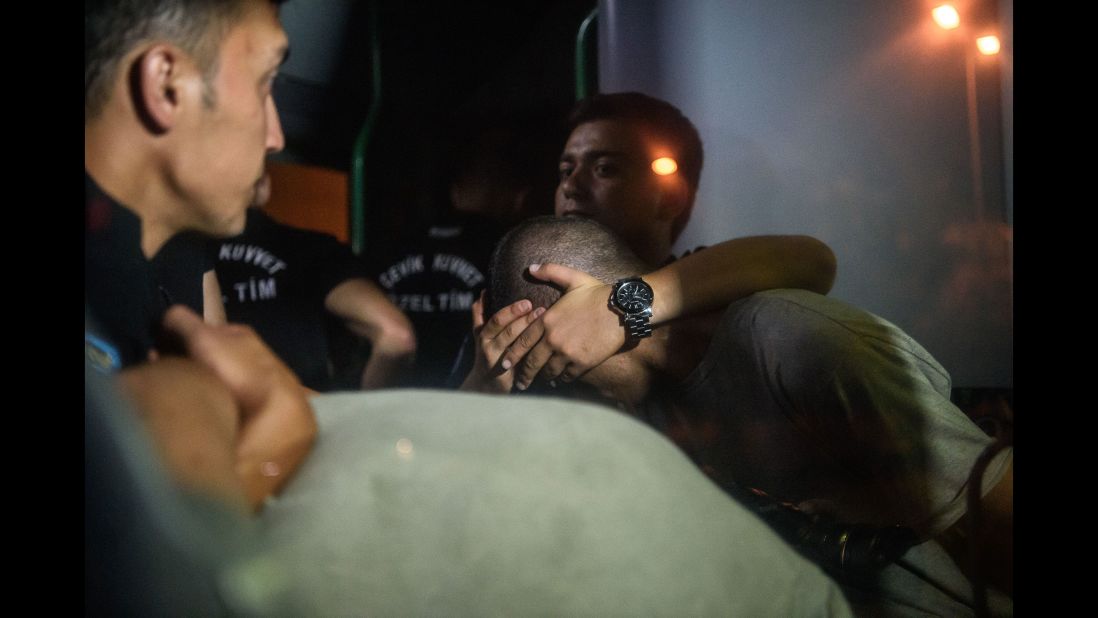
[{"x": 156, "y": 83}]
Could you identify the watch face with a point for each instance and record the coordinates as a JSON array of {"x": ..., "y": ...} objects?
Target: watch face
[{"x": 633, "y": 296}]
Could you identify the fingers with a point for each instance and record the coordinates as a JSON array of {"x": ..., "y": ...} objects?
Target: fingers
[
  {"x": 520, "y": 346},
  {"x": 233, "y": 351},
  {"x": 559, "y": 369},
  {"x": 525, "y": 328},
  {"x": 182, "y": 321},
  {"x": 503, "y": 318},
  {"x": 531, "y": 364},
  {"x": 567, "y": 278},
  {"x": 556, "y": 368},
  {"x": 490, "y": 375},
  {"x": 191, "y": 335},
  {"x": 478, "y": 312}
]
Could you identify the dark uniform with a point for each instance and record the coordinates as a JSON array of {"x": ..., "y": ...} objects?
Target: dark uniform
[
  {"x": 434, "y": 277},
  {"x": 275, "y": 278},
  {"x": 120, "y": 287}
]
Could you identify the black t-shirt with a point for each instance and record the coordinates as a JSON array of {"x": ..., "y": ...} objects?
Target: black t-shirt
[
  {"x": 434, "y": 277},
  {"x": 120, "y": 289},
  {"x": 275, "y": 278},
  {"x": 180, "y": 265}
]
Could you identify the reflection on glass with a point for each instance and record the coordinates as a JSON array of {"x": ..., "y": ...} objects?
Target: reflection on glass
[{"x": 404, "y": 448}]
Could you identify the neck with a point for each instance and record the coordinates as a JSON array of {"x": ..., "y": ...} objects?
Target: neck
[
  {"x": 662, "y": 360},
  {"x": 128, "y": 170},
  {"x": 683, "y": 345},
  {"x": 654, "y": 250},
  {"x": 687, "y": 344}
]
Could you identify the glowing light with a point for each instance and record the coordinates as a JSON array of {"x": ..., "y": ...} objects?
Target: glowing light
[
  {"x": 404, "y": 448},
  {"x": 664, "y": 166},
  {"x": 988, "y": 45},
  {"x": 946, "y": 16}
]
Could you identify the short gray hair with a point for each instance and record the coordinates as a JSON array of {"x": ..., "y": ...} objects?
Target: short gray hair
[{"x": 112, "y": 28}]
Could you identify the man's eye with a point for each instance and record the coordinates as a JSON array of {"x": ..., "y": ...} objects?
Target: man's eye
[
  {"x": 565, "y": 171},
  {"x": 606, "y": 169}
]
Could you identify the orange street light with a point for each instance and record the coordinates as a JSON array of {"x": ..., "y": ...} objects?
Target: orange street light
[
  {"x": 988, "y": 45},
  {"x": 664, "y": 166},
  {"x": 946, "y": 16}
]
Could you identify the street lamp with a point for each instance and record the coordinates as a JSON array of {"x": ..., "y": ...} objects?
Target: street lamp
[
  {"x": 947, "y": 18},
  {"x": 988, "y": 45}
]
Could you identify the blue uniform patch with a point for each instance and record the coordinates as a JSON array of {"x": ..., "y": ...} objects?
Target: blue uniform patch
[{"x": 101, "y": 354}]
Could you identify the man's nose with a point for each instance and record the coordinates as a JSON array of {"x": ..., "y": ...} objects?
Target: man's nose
[
  {"x": 275, "y": 139},
  {"x": 574, "y": 185}
]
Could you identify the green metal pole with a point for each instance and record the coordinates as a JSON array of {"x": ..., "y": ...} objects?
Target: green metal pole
[
  {"x": 358, "y": 156},
  {"x": 586, "y": 77}
]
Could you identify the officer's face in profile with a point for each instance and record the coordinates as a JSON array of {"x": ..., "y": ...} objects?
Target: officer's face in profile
[{"x": 227, "y": 133}]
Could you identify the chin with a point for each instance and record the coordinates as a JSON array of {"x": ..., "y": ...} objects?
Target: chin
[
  {"x": 227, "y": 226},
  {"x": 235, "y": 226}
]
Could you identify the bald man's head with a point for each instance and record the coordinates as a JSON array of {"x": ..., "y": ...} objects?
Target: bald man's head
[{"x": 578, "y": 243}]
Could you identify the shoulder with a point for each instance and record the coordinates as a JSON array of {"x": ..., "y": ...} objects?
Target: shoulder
[
  {"x": 807, "y": 324},
  {"x": 687, "y": 252}
]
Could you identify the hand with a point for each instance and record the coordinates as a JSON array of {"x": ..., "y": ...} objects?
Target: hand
[
  {"x": 577, "y": 333},
  {"x": 489, "y": 375},
  {"x": 277, "y": 425},
  {"x": 194, "y": 422}
]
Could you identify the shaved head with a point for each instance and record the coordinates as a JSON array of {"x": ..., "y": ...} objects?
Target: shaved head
[{"x": 576, "y": 242}]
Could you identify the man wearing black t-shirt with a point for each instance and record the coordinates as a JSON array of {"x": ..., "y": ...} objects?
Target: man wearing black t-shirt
[
  {"x": 437, "y": 271},
  {"x": 177, "y": 125},
  {"x": 185, "y": 268},
  {"x": 285, "y": 282}
]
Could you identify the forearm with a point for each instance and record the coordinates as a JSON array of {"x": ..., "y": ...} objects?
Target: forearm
[
  {"x": 368, "y": 313},
  {"x": 581, "y": 330},
  {"x": 711, "y": 279},
  {"x": 390, "y": 358},
  {"x": 392, "y": 347},
  {"x": 390, "y": 335}
]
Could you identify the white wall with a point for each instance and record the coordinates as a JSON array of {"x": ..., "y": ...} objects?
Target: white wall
[{"x": 845, "y": 120}]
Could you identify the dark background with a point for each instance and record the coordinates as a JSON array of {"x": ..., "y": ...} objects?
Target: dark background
[{"x": 448, "y": 70}]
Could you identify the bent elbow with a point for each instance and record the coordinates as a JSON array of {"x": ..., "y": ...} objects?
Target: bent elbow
[{"x": 397, "y": 338}]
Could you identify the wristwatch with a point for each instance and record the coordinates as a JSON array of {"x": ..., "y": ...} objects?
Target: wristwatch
[{"x": 632, "y": 298}]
